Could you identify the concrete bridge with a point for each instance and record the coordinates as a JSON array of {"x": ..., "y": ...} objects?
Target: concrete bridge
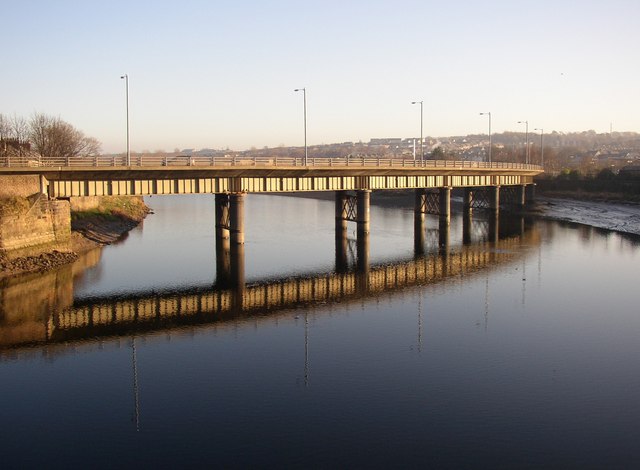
[
  {"x": 487, "y": 185},
  {"x": 228, "y": 301}
]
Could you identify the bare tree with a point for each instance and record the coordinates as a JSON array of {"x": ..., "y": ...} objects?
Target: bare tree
[{"x": 54, "y": 138}]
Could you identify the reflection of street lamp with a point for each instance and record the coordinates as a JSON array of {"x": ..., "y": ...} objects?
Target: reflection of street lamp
[
  {"x": 126, "y": 81},
  {"x": 526, "y": 155},
  {"x": 541, "y": 147},
  {"x": 421, "y": 139},
  {"x": 488, "y": 114},
  {"x": 304, "y": 97}
]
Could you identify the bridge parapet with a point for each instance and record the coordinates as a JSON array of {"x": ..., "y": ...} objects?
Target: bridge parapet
[{"x": 154, "y": 161}]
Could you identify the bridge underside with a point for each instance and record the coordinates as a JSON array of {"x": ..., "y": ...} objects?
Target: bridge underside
[{"x": 63, "y": 188}]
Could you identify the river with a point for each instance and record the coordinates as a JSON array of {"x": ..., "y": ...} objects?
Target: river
[{"x": 514, "y": 347}]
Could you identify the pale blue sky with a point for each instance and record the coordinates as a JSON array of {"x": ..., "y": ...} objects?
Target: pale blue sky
[{"x": 222, "y": 73}]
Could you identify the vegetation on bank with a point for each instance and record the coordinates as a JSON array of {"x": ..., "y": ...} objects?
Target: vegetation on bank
[
  {"x": 604, "y": 185},
  {"x": 112, "y": 208}
]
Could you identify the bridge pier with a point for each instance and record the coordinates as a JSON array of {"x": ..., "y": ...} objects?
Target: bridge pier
[
  {"x": 356, "y": 209},
  {"x": 237, "y": 274},
  {"x": 530, "y": 191},
  {"x": 363, "y": 201},
  {"x": 467, "y": 200},
  {"x": 520, "y": 196},
  {"x": 236, "y": 217},
  {"x": 444, "y": 205},
  {"x": 419, "y": 235},
  {"x": 466, "y": 226},
  {"x": 494, "y": 198}
]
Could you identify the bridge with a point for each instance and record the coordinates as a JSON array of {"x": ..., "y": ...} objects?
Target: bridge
[
  {"x": 486, "y": 185},
  {"x": 73, "y": 320}
]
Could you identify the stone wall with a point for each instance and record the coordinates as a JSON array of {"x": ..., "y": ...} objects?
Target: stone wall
[
  {"x": 41, "y": 222},
  {"x": 19, "y": 186}
]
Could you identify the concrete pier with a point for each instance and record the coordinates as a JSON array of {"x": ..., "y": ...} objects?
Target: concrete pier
[
  {"x": 223, "y": 262},
  {"x": 222, "y": 216},
  {"x": 467, "y": 219},
  {"x": 520, "y": 196},
  {"x": 419, "y": 235},
  {"x": 341, "y": 214},
  {"x": 363, "y": 201},
  {"x": 236, "y": 218},
  {"x": 494, "y": 198},
  {"x": 444, "y": 204},
  {"x": 530, "y": 190},
  {"x": 467, "y": 200}
]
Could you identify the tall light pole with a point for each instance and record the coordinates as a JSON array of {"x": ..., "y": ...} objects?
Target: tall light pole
[
  {"x": 488, "y": 114},
  {"x": 126, "y": 81},
  {"x": 526, "y": 155},
  {"x": 304, "y": 97},
  {"x": 421, "y": 139},
  {"x": 541, "y": 147}
]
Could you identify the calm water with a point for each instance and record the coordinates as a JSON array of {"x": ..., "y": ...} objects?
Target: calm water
[{"x": 516, "y": 352}]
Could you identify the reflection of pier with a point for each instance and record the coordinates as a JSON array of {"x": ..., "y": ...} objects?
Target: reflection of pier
[{"x": 102, "y": 317}]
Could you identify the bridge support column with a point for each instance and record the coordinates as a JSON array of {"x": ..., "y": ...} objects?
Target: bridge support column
[
  {"x": 466, "y": 226},
  {"x": 236, "y": 218},
  {"x": 342, "y": 262},
  {"x": 363, "y": 213},
  {"x": 494, "y": 198},
  {"x": 467, "y": 200},
  {"x": 363, "y": 202},
  {"x": 222, "y": 216},
  {"x": 520, "y": 196},
  {"x": 445, "y": 205},
  {"x": 223, "y": 261},
  {"x": 419, "y": 222},
  {"x": 341, "y": 214},
  {"x": 419, "y": 235},
  {"x": 237, "y": 270},
  {"x": 530, "y": 191}
]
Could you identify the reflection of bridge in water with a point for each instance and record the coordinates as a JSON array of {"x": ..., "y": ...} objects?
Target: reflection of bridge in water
[{"x": 91, "y": 318}]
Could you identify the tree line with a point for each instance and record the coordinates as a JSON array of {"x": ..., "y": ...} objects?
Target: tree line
[{"x": 46, "y": 136}]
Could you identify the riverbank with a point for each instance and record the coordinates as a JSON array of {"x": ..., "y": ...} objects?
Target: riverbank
[
  {"x": 108, "y": 222},
  {"x": 623, "y": 217}
]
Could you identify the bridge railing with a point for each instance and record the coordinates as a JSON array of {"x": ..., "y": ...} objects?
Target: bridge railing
[{"x": 139, "y": 161}]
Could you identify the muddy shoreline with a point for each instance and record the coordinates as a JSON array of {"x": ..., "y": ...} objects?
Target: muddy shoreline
[{"x": 87, "y": 233}]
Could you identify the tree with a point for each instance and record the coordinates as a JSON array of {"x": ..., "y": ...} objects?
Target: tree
[{"x": 54, "y": 138}]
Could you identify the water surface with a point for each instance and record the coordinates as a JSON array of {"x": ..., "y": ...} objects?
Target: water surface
[{"x": 519, "y": 351}]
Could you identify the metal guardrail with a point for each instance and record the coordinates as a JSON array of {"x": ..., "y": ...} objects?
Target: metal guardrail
[{"x": 201, "y": 161}]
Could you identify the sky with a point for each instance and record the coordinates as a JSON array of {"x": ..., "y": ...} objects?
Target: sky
[{"x": 221, "y": 74}]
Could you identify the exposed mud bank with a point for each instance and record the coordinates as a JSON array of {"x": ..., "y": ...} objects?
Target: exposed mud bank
[{"x": 616, "y": 216}]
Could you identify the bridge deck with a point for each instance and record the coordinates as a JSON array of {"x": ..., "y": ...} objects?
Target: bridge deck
[{"x": 193, "y": 175}]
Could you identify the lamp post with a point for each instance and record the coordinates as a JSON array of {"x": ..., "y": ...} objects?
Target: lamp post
[
  {"x": 488, "y": 114},
  {"x": 541, "y": 146},
  {"x": 304, "y": 98},
  {"x": 421, "y": 139},
  {"x": 126, "y": 81},
  {"x": 526, "y": 155}
]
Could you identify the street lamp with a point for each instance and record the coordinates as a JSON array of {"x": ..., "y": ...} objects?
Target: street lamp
[
  {"x": 526, "y": 155},
  {"x": 541, "y": 147},
  {"x": 304, "y": 97},
  {"x": 421, "y": 139},
  {"x": 126, "y": 81},
  {"x": 488, "y": 114}
]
